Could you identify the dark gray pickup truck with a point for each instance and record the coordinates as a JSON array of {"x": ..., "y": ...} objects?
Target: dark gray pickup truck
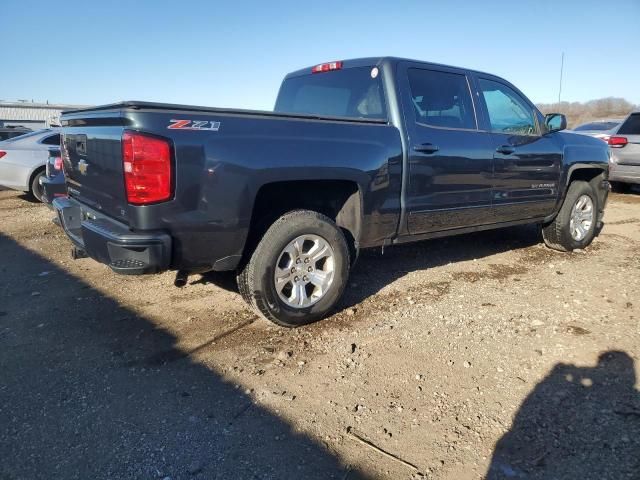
[{"x": 356, "y": 154}]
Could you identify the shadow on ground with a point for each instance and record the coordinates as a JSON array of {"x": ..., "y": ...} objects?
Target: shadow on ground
[
  {"x": 78, "y": 401},
  {"x": 578, "y": 423}
]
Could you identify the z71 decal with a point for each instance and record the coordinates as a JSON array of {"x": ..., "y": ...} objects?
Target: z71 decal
[{"x": 208, "y": 125}]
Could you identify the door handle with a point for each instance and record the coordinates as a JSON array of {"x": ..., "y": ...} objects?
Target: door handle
[
  {"x": 426, "y": 148},
  {"x": 505, "y": 149}
]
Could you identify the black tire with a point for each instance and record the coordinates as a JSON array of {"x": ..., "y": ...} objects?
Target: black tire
[
  {"x": 619, "y": 187},
  {"x": 35, "y": 189},
  {"x": 557, "y": 234},
  {"x": 256, "y": 280}
]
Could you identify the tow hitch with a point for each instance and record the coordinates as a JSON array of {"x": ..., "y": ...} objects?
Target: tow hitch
[{"x": 77, "y": 253}]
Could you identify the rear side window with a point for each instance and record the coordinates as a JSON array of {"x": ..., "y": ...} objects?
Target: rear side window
[
  {"x": 631, "y": 125},
  {"x": 508, "y": 111},
  {"x": 52, "y": 140},
  {"x": 352, "y": 92},
  {"x": 441, "y": 99}
]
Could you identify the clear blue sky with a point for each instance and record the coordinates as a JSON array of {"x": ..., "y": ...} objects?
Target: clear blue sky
[{"x": 235, "y": 53}]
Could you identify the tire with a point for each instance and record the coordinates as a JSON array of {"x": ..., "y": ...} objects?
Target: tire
[
  {"x": 558, "y": 233},
  {"x": 276, "y": 253},
  {"x": 619, "y": 187},
  {"x": 35, "y": 189}
]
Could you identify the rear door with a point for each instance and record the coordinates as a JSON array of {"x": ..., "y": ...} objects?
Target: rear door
[
  {"x": 630, "y": 153},
  {"x": 450, "y": 160},
  {"x": 527, "y": 161}
]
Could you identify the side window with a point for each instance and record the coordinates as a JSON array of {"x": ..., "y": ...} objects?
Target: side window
[
  {"x": 441, "y": 99},
  {"x": 631, "y": 126},
  {"x": 508, "y": 112},
  {"x": 52, "y": 140}
]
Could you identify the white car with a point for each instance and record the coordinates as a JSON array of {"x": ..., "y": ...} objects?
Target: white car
[{"x": 23, "y": 160}]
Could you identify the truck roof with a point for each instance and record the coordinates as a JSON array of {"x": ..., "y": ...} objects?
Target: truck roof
[{"x": 377, "y": 61}]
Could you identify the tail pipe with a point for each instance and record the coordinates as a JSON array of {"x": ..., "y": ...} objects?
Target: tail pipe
[{"x": 181, "y": 279}]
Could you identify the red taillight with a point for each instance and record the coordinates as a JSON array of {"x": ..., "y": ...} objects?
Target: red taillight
[
  {"x": 326, "y": 67},
  {"x": 57, "y": 163},
  {"x": 147, "y": 168},
  {"x": 617, "y": 142},
  {"x": 2, "y": 154}
]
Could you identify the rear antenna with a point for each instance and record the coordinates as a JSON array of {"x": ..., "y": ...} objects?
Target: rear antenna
[{"x": 561, "y": 69}]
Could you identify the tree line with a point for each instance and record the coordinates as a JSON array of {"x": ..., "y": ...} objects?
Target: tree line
[{"x": 578, "y": 113}]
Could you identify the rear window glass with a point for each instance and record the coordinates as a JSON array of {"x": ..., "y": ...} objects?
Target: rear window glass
[
  {"x": 631, "y": 125},
  {"x": 352, "y": 92},
  {"x": 52, "y": 140},
  {"x": 597, "y": 126}
]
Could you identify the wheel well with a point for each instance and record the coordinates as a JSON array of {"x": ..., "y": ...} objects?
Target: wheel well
[
  {"x": 337, "y": 199},
  {"x": 586, "y": 174}
]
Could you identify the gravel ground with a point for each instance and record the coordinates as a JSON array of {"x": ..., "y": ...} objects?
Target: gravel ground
[{"x": 479, "y": 356}]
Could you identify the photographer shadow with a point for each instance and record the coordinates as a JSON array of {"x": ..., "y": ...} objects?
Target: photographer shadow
[{"x": 578, "y": 423}]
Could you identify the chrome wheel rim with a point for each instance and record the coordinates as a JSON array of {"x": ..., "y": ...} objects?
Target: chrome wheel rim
[
  {"x": 304, "y": 271},
  {"x": 581, "y": 217}
]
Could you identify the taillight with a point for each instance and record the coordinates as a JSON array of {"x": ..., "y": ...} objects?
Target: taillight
[
  {"x": 57, "y": 163},
  {"x": 617, "y": 142},
  {"x": 326, "y": 67},
  {"x": 147, "y": 168},
  {"x": 2, "y": 154}
]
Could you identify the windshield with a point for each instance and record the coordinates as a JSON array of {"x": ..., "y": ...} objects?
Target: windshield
[{"x": 352, "y": 92}]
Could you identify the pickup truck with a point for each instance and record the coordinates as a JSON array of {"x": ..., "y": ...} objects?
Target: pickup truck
[{"x": 356, "y": 154}]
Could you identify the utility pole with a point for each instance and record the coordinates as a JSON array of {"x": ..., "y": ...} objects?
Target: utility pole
[{"x": 561, "y": 69}]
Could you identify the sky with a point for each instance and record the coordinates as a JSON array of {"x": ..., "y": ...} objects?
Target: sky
[{"x": 235, "y": 53}]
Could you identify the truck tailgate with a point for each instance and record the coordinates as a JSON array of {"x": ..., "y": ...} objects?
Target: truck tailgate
[{"x": 92, "y": 160}]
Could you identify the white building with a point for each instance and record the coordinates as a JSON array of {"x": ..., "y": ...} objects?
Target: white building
[{"x": 32, "y": 115}]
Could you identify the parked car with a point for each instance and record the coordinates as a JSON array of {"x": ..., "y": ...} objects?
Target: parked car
[
  {"x": 601, "y": 129},
  {"x": 625, "y": 151},
  {"x": 23, "y": 158},
  {"x": 357, "y": 154},
  {"x": 52, "y": 182},
  {"x": 12, "y": 131}
]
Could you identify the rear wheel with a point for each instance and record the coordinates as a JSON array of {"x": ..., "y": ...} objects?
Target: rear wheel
[
  {"x": 575, "y": 225},
  {"x": 298, "y": 271},
  {"x": 35, "y": 189}
]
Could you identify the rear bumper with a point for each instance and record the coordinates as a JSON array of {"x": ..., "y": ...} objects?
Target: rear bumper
[
  {"x": 52, "y": 188},
  {"x": 624, "y": 173},
  {"x": 111, "y": 242}
]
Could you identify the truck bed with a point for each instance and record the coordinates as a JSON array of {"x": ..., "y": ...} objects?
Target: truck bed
[{"x": 173, "y": 107}]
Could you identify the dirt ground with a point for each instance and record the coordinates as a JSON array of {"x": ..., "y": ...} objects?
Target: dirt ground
[{"x": 484, "y": 355}]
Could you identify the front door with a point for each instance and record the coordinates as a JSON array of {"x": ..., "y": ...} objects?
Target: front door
[
  {"x": 450, "y": 160},
  {"x": 527, "y": 162}
]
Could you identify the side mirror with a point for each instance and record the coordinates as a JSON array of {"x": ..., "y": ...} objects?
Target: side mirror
[{"x": 555, "y": 122}]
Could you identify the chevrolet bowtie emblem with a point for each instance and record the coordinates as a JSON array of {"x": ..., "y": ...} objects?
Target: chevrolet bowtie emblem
[{"x": 82, "y": 167}]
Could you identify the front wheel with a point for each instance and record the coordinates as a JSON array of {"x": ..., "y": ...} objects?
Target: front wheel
[
  {"x": 298, "y": 271},
  {"x": 575, "y": 225}
]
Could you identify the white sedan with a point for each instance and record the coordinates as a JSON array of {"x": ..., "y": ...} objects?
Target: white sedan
[{"x": 23, "y": 160}]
